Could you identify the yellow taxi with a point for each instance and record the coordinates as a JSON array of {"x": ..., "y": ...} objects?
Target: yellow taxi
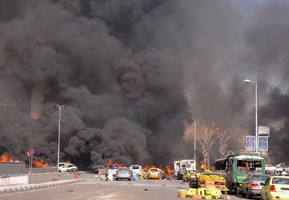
[
  {"x": 275, "y": 187},
  {"x": 155, "y": 173}
]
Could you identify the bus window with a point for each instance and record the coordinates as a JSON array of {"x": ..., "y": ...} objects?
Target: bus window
[
  {"x": 230, "y": 166},
  {"x": 242, "y": 165},
  {"x": 246, "y": 165}
]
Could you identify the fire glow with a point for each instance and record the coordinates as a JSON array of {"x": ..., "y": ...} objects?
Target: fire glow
[
  {"x": 4, "y": 158},
  {"x": 40, "y": 163},
  {"x": 110, "y": 161},
  {"x": 169, "y": 170},
  {"x": 202, "y": 165},
  {"x": 147, "y": 167}
]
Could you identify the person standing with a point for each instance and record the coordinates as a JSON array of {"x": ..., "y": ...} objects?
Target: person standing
[{"x": 284, "y": 173}]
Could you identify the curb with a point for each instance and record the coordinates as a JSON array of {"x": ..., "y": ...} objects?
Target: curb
[{"x": 21, "y": 188}]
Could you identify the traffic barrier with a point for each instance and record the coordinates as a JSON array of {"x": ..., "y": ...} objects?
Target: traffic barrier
[{"x": 76, "y": 175}]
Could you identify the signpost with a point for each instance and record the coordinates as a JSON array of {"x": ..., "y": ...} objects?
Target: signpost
[{"x": 30, "y": 153}]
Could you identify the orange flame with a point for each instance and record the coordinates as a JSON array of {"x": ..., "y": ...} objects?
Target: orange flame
[
  {"x": 110, "y": 161},
  {"x": 119, "y": 164},
  {"x": 4, "y": 158},
  {"x": 202, "y": 165},
  {"x": 169, "y": 170},
  {"x": 40, "y": 163},
  {"x": 146, "y": 168}
]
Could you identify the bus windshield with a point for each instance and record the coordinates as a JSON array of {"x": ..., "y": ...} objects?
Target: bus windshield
[{"x": 249, "y": 165}]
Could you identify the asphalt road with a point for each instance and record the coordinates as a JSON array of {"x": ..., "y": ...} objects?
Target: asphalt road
[{"x": 92, "y": 187}]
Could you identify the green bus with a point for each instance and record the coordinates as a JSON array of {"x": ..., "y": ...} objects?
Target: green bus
[{"x": 235, "y": 169}]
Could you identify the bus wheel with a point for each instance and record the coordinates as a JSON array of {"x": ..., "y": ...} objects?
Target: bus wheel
[
  {"x": 239, "y": 191},
  {"x": 233, "y": 190}
]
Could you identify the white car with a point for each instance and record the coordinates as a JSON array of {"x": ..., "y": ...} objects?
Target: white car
[
  {"x": 111, "y": 169},
  {"x": 67, "y": 167},
  {"x": 137, "y": 169}
]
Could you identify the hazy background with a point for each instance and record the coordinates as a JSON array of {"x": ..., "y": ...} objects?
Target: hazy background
[{"x": 132, "y": 74}]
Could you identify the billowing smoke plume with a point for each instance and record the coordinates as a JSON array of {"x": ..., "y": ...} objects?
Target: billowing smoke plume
[{"x": 132, "y": 72}]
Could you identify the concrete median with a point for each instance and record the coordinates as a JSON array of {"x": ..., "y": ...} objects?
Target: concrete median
[{"x": 21, "y": 188}]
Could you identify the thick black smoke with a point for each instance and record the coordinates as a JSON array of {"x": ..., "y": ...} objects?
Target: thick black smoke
[{"x": 132, "y": 72}]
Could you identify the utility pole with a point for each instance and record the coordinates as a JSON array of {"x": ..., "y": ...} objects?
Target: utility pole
[{"x": 60, "y": 107}]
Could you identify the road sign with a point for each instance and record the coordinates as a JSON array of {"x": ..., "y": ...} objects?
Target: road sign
[
  {"x": 31, "y": 151},
  {"x": 263, "y": 143},
  {"x": 250, "y": 143},
  {"x": 263, "y": 130}
]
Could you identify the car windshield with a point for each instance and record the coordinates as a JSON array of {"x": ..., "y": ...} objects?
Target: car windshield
[
  {"x": 153, "y": 170},
  {"x": 280, "y": 180},
  {"x": 135, "y": 167},
  {"x": 260, "y": 177},
  {"x": 123, "y": 169},
  {"x": 113, "y": 167}
]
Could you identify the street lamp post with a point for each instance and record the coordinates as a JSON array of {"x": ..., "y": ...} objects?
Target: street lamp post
[
  {"x": 195, "y": 141},
  {"x": 58, "y": 146},
  {"x": 256, "y": 112}
]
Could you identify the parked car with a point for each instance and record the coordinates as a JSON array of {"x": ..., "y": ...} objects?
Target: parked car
[
  {"x": 155, "y": 173},
  {"x": 111, "y": 169},
  {"x": 68, "y": 167},
  {"x": 97, "y": 169},
  {"x": 123, "y": 173},
  {"x": 275, "y": 187},
  {"x": 137, "y": 169},
  {"x": 251, "y": 185},
  {"x": 61, "y": 164}
]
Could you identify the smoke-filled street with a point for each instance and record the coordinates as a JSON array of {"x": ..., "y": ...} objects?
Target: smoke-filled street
[
  {"x": 132, "y": 74},
  {"x": 91, "y": 187}
]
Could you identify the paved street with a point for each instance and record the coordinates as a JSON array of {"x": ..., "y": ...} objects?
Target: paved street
[{"x": 92, "y": 187}]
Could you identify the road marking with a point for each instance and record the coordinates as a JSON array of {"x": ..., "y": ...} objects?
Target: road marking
[{"x": 110, "y": 196}]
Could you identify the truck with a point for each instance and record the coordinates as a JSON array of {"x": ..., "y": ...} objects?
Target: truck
[{"x": 181, "y": 166}]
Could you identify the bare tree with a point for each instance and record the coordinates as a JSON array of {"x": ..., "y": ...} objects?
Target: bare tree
[
  {"x": 207, "y": 137},
  {"x": 223, "y": 137}
]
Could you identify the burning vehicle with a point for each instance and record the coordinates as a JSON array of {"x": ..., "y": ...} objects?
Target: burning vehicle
[{"x": 155, "y": 173}]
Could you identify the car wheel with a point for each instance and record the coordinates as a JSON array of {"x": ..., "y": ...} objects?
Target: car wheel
[
  {"x": 261, "y": 197},
  {"x": 242, "y": 193},
  {"x": 248, "y": 194}
]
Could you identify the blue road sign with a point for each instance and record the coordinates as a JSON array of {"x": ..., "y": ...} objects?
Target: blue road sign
[
  {"x": 263, "y": 143},
  {"x": 250, "y": 143},
  {"x": 31, "y": 151}
]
